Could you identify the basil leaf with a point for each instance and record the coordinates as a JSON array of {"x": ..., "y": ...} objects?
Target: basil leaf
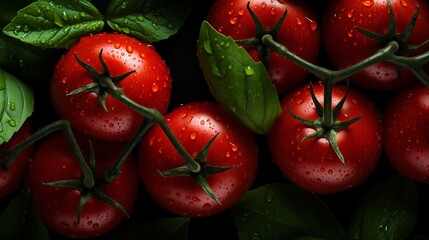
[
  {"x": 19, "y": 220},
  {"x": 237, "y": 82},
  {"x": 55, "y": 23},
  {"x": 148, "y": 20},
  {"x": 388, "y": 211},
  {"x": 284, "y": 211},
  {"x": 16, "y": 105}
]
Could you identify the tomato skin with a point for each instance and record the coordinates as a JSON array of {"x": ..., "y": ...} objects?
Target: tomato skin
[
  {"x": 149, "y": 86},
  {"x": 11, "y": 178},
  {"x": 57, "y": 206},
  {"x": 313, "y": 164},
  {"x": 194, "y": 124},
  {"x": 299, "y": 33},
  {"x": 406, "y": 141},
  {"x": 340, "y": 36}
]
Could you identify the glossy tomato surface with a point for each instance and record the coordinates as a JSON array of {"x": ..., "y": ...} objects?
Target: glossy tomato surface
[
  {"x": 194, "y": 124},
  {"x": 149, "y": 86},
  {"x": 54, "y": 161},
  {"x": 406, "y": 141},
  {"x": 300, "y": 33},
  {"x": 312, "y": 164},
  {"x": 13, "y": 176},
  {"x": 345, "y": 45}
]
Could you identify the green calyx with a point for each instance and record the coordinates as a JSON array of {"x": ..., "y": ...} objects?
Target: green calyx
[
  {"x": 392, "y": 35},
  {"x": 201, "y": 176},
  {"x": 88, "y": 193},
  {"x": 327, "y": 125},
  {"x": 99, "y": 78},
  {"x": 256, "y": 41}
]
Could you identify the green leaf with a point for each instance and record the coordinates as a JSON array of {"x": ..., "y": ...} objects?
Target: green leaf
[
  {"x": 388, "y": 211},
  {"x": 284, "y": 211},
  {"x": 148, "y": 20},
  {"x": 16, "y": 105},
  {"x": 160, "y": 229},
  {"x": 236, "y": 81},
  {"x": 20, "y": 221},
  {"x": 55, "y": 23}
]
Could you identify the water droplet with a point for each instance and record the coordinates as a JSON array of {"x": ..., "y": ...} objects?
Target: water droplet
[
  {"x": 248, "y": 70},
  {"x": 263, "y": 5},
  {"x": 404, "y": 3},
  {"x": 234, "y": 147},
  {"x": 117, "y": 45},
  {"x": 313, "y": 24},
  {"x": 155, "y": 88},
  {"x": 12, "y": 106},
  {"x": 350, "y": 13},
  {"x": 233, "y": 20},
  {"x": 12, "y": 123},
  {"x": 269, "y": 194},
  {"x": 193, "y": 135},
  {"x": 368, "y": 3},
  {"x": 298, "y": 21},
  {"x": 208, "y": 47}
]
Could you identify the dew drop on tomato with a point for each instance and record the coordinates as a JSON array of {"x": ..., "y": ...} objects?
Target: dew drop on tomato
[{"x": 368, "y": 3}]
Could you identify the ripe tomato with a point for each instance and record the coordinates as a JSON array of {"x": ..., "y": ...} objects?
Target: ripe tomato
[
  {"x": 313, "y": 164},
  {"x": 53, "y": 161},
  {"x": 194, "y": 124},
  {"x": 406, "y": 141},
  {"x": 149, "y": 86},
  {"x": 299, "y": 33},
  {"x": 340, "y": 36},
  {"x": 12, "y": 177}
]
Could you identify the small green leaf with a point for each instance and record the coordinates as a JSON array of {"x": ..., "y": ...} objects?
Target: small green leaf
[
  {"x": 16, "y": 105},
  {"x": 148, "y": 20},
  {"x": 237, "y": 82},
  {"x": 387, "y": 212},
  {"x": 55, "y": 23},
  {"x": 20, "y": 221},
  {"x": 284, "y": 211}
]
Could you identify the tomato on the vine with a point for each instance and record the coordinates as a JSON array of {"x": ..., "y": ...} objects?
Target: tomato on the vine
[
  {"x": 11, "y": 177},
  {"x": 57, "y": 206},
  {"x": 299, "y": 33},
  {"x": 345, "y": 45},
  {"x": 150, "y": 85},
  {"x": 406, "y": 141},
  {"x": 195, "y": 124},
  {"x": 312, "y": 164}
]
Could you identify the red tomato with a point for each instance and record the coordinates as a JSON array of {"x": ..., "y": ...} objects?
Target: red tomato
[
  {"x": 313, "y": 164},
  {"x": 406, "y": 141},
  {"x": 149, "y": 86},
  {"x": 340, "y": 36},
  {"x": 194, "y": 124},
  {"x": 12, "y": 177},
  {"x": 53, "y": 161},
  {"x": 299, "y": 33}
]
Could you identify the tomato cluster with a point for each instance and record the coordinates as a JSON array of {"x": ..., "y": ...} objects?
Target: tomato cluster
[{"x": 128, "y": 132}]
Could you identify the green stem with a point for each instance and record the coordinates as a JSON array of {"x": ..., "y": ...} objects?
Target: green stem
[
  {"x": 415, "y": 64},
  {"x": 328, "y": 117},
  {"x": 325, "y": 74},
  {"x": 60, "y": 125},
  {"x": 155, "y": 116},
  {"x": 112, "y": 173}
]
